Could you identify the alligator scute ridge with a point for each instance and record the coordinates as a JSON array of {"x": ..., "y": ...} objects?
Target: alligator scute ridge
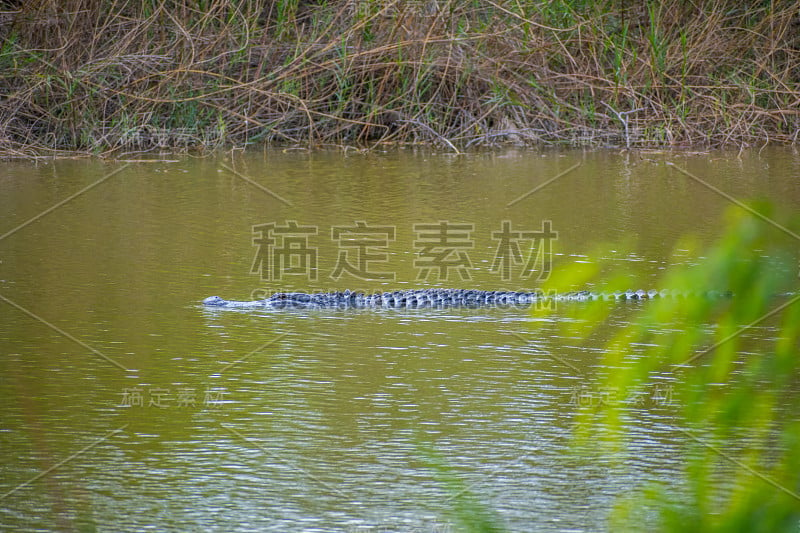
[{"x": 439, "y": 298}]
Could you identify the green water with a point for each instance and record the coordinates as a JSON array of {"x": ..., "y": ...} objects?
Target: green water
[{"x": 318, "y": 421}]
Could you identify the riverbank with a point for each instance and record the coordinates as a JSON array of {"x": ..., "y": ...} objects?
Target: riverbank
[{"x": 112, "y": 78}]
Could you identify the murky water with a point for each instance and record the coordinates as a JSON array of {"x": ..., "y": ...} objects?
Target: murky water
[{"x": 128, "y": 406}]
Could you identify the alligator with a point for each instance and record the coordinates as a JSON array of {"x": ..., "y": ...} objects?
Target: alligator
[{"x": 436, "y": 298}]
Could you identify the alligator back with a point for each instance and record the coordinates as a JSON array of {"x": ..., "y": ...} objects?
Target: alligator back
[{"x": 437, "y": 298}]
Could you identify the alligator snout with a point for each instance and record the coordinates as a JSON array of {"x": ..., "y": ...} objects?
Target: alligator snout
[{"x": 214, "y": 301}]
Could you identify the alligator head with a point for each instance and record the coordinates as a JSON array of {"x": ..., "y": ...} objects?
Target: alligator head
[{"x": 214, "y": 301}]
